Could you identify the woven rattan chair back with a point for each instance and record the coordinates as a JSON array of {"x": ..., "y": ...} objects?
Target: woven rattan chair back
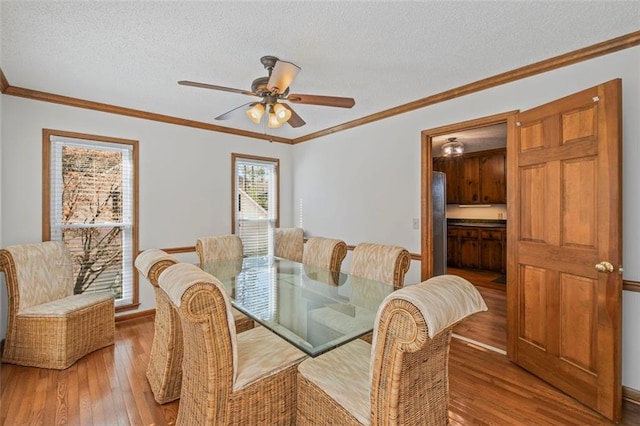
[
  {"x": 218, "y": 248},
  {"x": 164, "y": 371},
  {"x": 289, "y": 243},
  {"x": 324, "y": 253},
  {"x": 379, "y": 262}
]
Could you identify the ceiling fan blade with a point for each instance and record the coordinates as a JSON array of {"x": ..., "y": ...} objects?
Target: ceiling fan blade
[
  {"x": 295, "y": 120},
  {"x": 333, "y": 101},
  {"x": 214, "y": 87},
  {"x": 281, "y": 77},
  {"x": 227, "y": 115}
]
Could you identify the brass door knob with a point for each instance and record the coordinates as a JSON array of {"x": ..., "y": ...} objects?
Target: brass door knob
[{"x": 604, "y": 266}]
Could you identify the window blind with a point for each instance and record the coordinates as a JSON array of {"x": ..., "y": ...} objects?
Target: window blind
[
  {"x": 91, "y": 211},
  {"x": 255, "y": 200}
]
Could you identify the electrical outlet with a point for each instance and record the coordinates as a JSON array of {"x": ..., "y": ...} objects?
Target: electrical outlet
[{"x": 416, "y": 223}]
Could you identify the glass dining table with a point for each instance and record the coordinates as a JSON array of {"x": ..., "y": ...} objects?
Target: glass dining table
[{"x": 313, "y": 308}]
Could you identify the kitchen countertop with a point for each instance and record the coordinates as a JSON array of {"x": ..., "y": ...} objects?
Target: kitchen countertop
[{"x": 478, "y": 223}]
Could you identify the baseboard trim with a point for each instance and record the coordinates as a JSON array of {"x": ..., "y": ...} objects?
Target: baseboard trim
[
  {"x": 631, "y": 395},
  {"x": 136, "y": 315}
]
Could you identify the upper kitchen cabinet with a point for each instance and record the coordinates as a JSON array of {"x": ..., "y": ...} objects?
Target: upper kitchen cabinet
[
  {"x": 450, "y": 167},
  {"x": 475, "y": 177}
]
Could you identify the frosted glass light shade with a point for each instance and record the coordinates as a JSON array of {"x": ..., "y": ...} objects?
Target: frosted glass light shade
[
  {"x": 283, "y": 114},
  {"x": 273, "y": 122},
  {"x": 255, "y": 113}
]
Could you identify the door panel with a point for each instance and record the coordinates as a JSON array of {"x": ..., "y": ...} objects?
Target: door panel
[{"x": 565, "y": 217}]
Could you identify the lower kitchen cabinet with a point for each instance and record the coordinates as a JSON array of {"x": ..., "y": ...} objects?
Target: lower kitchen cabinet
[{"x": 476, "y": 248}]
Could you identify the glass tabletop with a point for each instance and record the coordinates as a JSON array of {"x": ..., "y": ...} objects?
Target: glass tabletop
[{"x": 313, "y": 308}]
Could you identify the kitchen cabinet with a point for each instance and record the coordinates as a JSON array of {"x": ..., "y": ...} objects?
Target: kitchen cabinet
[
  {"x": 492, "y": 250},
  {"x": 475, "y": 178},
  {"x": 450, "y": 167},
  {"x": 469, "y": 248},
  {"x": 478, "y": 247}
]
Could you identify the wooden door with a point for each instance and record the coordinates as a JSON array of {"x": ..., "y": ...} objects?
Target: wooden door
[{"x": 564, "y": 303}]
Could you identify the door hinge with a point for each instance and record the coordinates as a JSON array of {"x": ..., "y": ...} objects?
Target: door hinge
[{"x": 596, "y": 98}]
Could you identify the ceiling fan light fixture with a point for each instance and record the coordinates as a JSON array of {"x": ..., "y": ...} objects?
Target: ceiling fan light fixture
[
  {"x": 283, "y": 114},
  {"x": 453, "y": 148},
  {"x": 273, "y": 122},
  {"x": 255, "y": 113}
]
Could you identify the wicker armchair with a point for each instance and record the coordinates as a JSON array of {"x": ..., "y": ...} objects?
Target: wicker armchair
[
  {"x": 387, "y": 264},
  {"x": 289, "y": 243},
  {"x": 228, "y": 378},
  {"x": 223, "y": 248},
  {"x": 403, "y": 377},
  {"x": 164, "y": 371},
  {"x": 48, "y": 326}
]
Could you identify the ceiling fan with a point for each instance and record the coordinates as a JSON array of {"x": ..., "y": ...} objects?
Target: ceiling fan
[{"x": 274, "y": 89}]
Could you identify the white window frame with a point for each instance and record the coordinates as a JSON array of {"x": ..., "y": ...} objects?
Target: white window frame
[{"x": 53, "y": 142}]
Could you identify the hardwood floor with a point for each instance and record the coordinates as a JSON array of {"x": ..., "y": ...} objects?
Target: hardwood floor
[
  {"x": 109, "y": 387},
  {"x": 488, "y": 327}
]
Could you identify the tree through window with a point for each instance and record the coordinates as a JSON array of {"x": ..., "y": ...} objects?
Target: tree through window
[{"x": 91, "y": 209}]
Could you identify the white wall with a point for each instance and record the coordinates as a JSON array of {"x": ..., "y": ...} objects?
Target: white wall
[
  {"x": 185, "y": 176},
  {"x": 370, "y": 175}
]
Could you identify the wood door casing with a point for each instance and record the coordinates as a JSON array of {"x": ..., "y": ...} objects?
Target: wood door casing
[{"x": 565, "y": 217}]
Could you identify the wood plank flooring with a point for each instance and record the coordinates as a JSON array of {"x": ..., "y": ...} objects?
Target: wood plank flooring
[
  {"x": 109, "y": 387},
  {"x": 488, "y": 327}
]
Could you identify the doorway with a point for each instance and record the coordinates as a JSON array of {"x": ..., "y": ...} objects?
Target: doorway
[{"x": 476, "y": 215}]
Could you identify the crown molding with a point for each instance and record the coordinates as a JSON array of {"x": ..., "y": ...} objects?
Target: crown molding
[
  {"x": 600, "y": 49},
  {"x": 590, "y": 52},
  {"x": 130, "y": 112}
]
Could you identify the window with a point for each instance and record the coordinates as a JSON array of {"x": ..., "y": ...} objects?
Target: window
[
  {"x": 255, "y": 202},
  {"x": 90, "y": 203}
]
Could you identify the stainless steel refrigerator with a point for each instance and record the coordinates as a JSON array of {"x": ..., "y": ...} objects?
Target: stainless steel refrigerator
[{"x": 439, "y": 200}]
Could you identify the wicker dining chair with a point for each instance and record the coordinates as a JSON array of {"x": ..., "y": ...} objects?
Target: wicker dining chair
[
  {"x": 164, "y": 371},
  {"x": 228, "y": 378},
  {"x": 325, "y": 253},
  {"x": 402, "y": 378},
  {"x": 48, "y": 325},
  {"x": 219, "y": 249},
  {"x": 289, "y": 243},
  {"x": 380, "y": 262}
]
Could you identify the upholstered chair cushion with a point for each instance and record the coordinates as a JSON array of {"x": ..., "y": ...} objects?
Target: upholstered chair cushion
[
  {"x": 343, "y": 373},
  {"x": 44, "y": 272},
  {"x": 289, "y": 243},
  {"x": 256, "y": 359},
  {"x": 66, "y": 305},
  {"x": 219, "y": 248},
  {"x": 381, "y": 263},
  {"x": 324, "y": 252}
]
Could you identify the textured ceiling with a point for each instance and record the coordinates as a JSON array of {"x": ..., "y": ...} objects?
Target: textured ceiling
[{"x": 383, "y": 54}]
